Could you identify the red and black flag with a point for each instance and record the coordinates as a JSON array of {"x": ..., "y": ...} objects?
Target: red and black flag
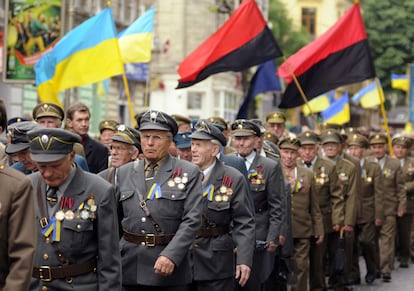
[
  {"x": 243, "y": 41},
  {"x": 339, "y": 57}
]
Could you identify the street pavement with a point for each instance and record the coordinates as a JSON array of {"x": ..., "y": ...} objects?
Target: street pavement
[{"x": 402, "y": 280}]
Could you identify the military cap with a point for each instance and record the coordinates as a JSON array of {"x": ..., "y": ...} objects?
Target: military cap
[
  {"x": 334, "y": 126},
  {"x": 108, "y": 124},
  {"x": 358, "y": 140},
  {"x": 207, "y": 131},
  {"x": 331, "y": 135},
  {"x": 351, "y": 130},
  {"x": 183, "y": 140},
  {"x": 16, "y": 120},
  {"x": 309, "y": 138},
  {"x": 218, "y": 121},
  {"x": 243, "y": 127},
  {"x": 127, "y": 135},
  {"x": 193, "y": 123},
  {"x": 270, "y": 136},
  {"x": 48, "y": 110},
  {"x": 259, "y": 123},
  {"x": 51, "y": 144},
  {"x": 18, "y": 136},
  {"x": 180, "y": 119},
  {"x": 405, "y": 141},
  {"x": 291, "y": 143},
  {"x": 276, "y": 117},
  {"x": 156, "y": 120},
  {"x": 378, "y": 138}
]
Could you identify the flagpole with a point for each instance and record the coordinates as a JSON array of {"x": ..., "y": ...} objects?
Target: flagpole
[
  {"x": 384, "y": 115},
  {"x": 146, "y": 92},
  {"x": 302, "y": 94}
]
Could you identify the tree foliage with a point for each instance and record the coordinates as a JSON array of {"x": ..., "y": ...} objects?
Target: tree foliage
[{"x": 390, "y": 29}]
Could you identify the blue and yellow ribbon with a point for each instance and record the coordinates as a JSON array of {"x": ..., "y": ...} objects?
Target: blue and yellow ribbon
[
  {"x": 54, "y": 227},
  {"x": 209, "y": 192},
  {"x": 154, "y": 192},
  {"x": 251, "y": 173}
]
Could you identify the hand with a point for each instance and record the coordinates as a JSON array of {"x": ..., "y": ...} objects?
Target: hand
[
  {"x": 163, "y": 266},
  {"x": 242, "y": 274},
  {"x": 400, "y": 213},
  {"x": 378, "y": 222},
  {"x": 319, "y": 239},
  {"x": 336, "y": 227},
  {"x": 272, "y": 247},
  {"x": 348, "y": 228}
]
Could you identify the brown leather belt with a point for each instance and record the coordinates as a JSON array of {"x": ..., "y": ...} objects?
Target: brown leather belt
[
  {"x": 212, "y": 231},
  {"x": 47, "y": 273},
  {"x": 149, "y": 240}
]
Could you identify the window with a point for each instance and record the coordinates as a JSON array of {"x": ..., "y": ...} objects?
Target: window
[
  {"x": 194, "y": 100},
  {"x": 309, "y": 21}
]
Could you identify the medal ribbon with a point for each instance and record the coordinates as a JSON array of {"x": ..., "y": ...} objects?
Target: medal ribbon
[
  {"x": 154, "y": 192},
  {"x": 54, "y": 227},
  {"x": 208, "y": 191},
  {"x": 251, "y": 173}
]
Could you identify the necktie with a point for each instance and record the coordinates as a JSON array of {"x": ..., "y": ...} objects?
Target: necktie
[
  {"x": 51, "y": 196},
  {"x": 150, "y": 174},
  {"x": 308, "y": 164}
]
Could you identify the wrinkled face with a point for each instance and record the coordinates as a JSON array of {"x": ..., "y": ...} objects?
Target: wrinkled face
[
  {"x": 184, "y": 154},
  {"x": 24, "y": 157},
  {"x": 288, "y": 157},
  {"x": 356, "y": 151},
  {"x": 105, "y": 137},
  {"x": 203, "y": 153},
  {"x": 50, "y": 122},
  {"x": 56, "y": 173},
  {"x": 276, "y": 128},
  {"x": 80, "y": 122},
  {"x": 122, "y": 153},
  {"x": 245, "y": 144},
  {"x": 400, "y": 151},
  {"x": 155, "y": 144},
  {"x": 331, "y": 149},
  {"x": 379, "y": 150},
  {"x": 308, "y": 152}
]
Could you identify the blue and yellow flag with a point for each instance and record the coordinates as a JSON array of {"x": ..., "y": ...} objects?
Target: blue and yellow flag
[
  {"x": 368, "y": 96},
  {"x": 399, "y": 82},
  {"x": 338, "y": 112},
  {"x": 87, "y": 54},
  {"x": 135, "y": 42},
  {"x": 318, "y": 104}
]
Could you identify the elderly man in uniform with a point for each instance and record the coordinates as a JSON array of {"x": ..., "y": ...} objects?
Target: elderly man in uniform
[
  {"x": 395, "y": 201},
  {"x": 18, "y": 146},
  {"x": 17, "y": 225},
  {"x": 346, "y": 174},
  {"x": 305, "y": 213},
  {"x": 125, "y": 148},
  {"x": 77, "y": 231},
  {"x": 371, "y": 212},
  {"x": 329, "y": 197},
  {"x": 51, "y": 115},
  {"x": 275, "y": 123},
  {"x": 225, "y": 205},
  {"x": 182, "y": 141},
  {"x": 401, "y": 146},
  {"x": 78, "y": 120},
  {"x": 267, "y": 187},
  {"x": 159, "y": 210}
]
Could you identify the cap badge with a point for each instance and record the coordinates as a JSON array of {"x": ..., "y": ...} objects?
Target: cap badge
[
  {"x": 240, "y": 126},
  {"x": 153, "y": 117},
  {"x": 121, "y": 127},
  {"x": 45, "y": 139}
]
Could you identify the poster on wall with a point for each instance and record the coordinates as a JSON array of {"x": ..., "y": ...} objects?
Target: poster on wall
[{"x": 32, "y": 28}]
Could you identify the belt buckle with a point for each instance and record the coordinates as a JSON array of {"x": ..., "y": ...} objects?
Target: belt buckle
[
  {"x": 43, "y": 269},
  {"x": 150, "y": 240}
]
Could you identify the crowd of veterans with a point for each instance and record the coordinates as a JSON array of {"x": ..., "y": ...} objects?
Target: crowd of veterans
[{"x": 199, "y": 205}]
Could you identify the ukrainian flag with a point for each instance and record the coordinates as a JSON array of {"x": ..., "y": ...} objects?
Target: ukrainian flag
[
  {"x": 368, "y": 96},
  {"x": 317, "y": 104},
  {"x": 338, "y": 112},
  {"x": 87, "y": 54},
  {"x": 399, "y": 82},
  {"x": 135, "y": 42}
]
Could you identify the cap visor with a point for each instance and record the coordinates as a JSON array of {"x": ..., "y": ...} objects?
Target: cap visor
[
  {"x": 121, "y": 139},
  {"x": 44, "y": 158},
  {"x": 12, "y": 148},
  {"x": 152, "y": 126}
]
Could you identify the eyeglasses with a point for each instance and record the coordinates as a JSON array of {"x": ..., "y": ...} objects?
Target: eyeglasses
[{"x": 155, "y": 137}]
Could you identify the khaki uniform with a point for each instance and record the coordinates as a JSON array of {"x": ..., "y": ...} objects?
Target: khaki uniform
[{"x": 17, "y": 230}]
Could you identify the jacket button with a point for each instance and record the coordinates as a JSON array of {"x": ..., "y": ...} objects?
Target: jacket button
[
  {"x": 143, "y": 219},
  {"x": 78, "y": 226},
  {"x": 45, "y": 257},
  {"x": 44, "y": 288},
  {"x": 196, "y": 246}
]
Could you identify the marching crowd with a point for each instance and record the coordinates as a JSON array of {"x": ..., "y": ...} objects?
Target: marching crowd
[{"x": 179, "y": 204}]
